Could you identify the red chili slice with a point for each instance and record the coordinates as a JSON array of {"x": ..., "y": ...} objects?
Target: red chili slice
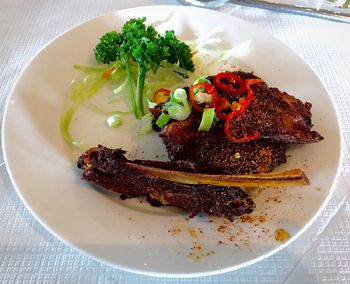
[
  {"x": 245, "y": 137},
  {"x": 161, "y": 96},
  {"x": 243, "y": 105},
  {"x": 244, "y": 102},
  {"x": 224, "y": 81},
  {"x": 221, "y": 104},
  {"x": 204, "y": 88}
]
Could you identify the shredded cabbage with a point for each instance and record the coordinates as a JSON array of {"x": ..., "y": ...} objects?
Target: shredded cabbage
[
  {"x": 145, "y": 124},
  {"x": 82, "y": 91}
]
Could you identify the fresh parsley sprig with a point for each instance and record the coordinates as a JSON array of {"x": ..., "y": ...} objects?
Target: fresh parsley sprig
[{"x": 144, "y": 47}]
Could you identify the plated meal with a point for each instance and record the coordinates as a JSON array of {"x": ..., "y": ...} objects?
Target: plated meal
[
  {"x": 222, "y": 133},
  {"x": 218, "y": 156}
]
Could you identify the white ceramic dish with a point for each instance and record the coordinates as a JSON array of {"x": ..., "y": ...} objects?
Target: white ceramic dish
[{"x": 131, "y": 235}]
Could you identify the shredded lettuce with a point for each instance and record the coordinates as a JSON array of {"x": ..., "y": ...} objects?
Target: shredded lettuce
[
  {"x": 101, "y": 111},
  {"x": 146, "y": 124},
  {"x": 82, "y": 91},
  {"x": 119, "y": 92},
  {"x": 89, "y": 69},
  {"x": 64, "y": 127}
]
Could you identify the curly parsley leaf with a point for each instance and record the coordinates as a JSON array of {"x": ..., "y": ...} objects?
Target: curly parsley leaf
[{"x": 144, "y": 47}]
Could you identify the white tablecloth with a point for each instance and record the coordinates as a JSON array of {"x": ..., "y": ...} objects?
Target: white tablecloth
[{"x": 30, "y": 254}]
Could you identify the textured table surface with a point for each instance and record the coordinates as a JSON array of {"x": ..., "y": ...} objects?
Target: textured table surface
[{"x": 30, "y": 254}]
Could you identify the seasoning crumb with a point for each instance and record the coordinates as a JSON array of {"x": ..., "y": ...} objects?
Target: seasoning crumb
[
  {"x": 192, "y": 232},
  {"x": 175, "y": 231},
  {"x": 237, "y": 155},
  {"x": 222, "y": 228},
  {"x": 246, "y": 219},
  {"x": 281, "y": 235}
]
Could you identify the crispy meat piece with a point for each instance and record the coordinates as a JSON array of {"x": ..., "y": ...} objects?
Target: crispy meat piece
[
  {"x": 276, "y": 115},
  {"x": 212, "y": 152},
  {"x": 109, "y": 168}
]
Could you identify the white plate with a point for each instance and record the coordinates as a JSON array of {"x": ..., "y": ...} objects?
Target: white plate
[{"x": 134, "y": 236}]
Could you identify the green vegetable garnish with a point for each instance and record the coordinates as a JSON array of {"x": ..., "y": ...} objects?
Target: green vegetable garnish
[
  {"x": 201, "y": 79},
  {"x": 142, "y": 47},
  {"x": 107, "y": 47},
  {"x": 207, "y": 119},
  {"x": 114, "y": 120},
  {"x": 177, "y": 108},
  {"x": 162, "y": 119}
]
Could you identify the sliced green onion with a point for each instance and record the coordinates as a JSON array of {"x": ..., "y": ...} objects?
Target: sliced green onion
[
  {"x": 207, "y": 119},
  {"x": 180, "y": 95},
  {"x": 178, "y": 107},
  {"x": 187, "y": 105},
  {"x": 178, "y": 112},
  {"x": 151, "y": 104},
  {"x": 201, "y": 79},
  {"x": 114, "y": 120},
  {"x": 172, "y": 99},
  {"x": 162, "y": 119}
]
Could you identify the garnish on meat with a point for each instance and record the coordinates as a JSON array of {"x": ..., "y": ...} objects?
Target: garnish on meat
[
  {"x": 253, "y": 110},
  {"x": 110, "y": 169},
  {"x": 252, "y": 131},
  {"x": 276, "y": 116}
]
